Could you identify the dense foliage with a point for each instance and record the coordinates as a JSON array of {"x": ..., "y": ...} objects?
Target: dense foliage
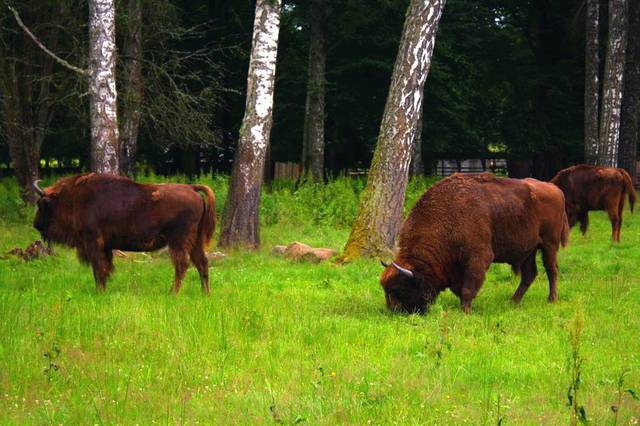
[{"x": 506, "y": 80}]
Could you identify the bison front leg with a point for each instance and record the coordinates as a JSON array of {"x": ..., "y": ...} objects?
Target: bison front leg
[
  {"x": 180, "y": 258},
  {"x": 473, "y": 278},
  {"x": 529, "y": 271}
]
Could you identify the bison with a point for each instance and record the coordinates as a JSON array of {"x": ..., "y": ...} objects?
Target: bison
[
  {"x": 463, "y": 224},
  {"x": 589, "y": 187},
  {"x": 98, "y": 213}
]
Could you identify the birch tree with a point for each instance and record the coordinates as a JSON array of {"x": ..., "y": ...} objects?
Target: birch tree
[
  {"x": 102, "y": 86},
  {"x": 313, "y": 133},
  {"x": 133, "y": 89},
  {"x": 591, "y": 81},
  {"x": 630, "y": 114},
  {"x": 241, "y": 218},
  {"x": 613, "y": 85},
  {"x": 380, "y": 210}
]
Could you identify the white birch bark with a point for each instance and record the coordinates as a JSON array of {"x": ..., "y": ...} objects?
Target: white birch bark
[
  {"x": 613, "y": 85},
  {"x": 241, "y": 221},
  {"x": 102, "y": 86},
  {"x": 380, "y": 210}
]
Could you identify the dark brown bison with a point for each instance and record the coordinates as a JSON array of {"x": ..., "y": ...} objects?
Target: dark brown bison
[
  {"x": 589, "y": 187},
  {"x": 98, "y": 213},
  {"x": 463, "y": 224}
]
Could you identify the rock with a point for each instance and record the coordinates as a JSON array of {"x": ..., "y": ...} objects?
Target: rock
[
  {"x": 301, "y": 251},
  {"x": 215, "y": 255},
  {"x": 279, "y": 249}
]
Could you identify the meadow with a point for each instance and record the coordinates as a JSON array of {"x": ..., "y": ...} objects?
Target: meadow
[{"x": 296, "y": 343}]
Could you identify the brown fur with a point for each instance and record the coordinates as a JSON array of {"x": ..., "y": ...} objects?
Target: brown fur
[
  {"x": 466, "y": 222},
  {"x": 97, "y": 213},
  {"x": 589, "y": 187}
]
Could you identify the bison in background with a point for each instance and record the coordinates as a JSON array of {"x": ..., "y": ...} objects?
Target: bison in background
[
  {"x": 98, "y": 213},
  {"x": 589, "y": 187},
  {"x": 463, "y": 224}
]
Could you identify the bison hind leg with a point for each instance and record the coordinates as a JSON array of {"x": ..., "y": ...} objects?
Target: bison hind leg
[
  {"x": 180, "y": 258},
  {"x": 583, "y": 217},
  {"x": 529, "y": 272},
  {"x": 549, "y": 258},
  {"x": 102, "y": 263},
  {"x": 199, "y": 259}
]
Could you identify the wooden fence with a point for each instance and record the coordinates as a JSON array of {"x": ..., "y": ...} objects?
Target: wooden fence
[
  {"x": 448, "y": 167},
  {"x": 290, "y": 171}
]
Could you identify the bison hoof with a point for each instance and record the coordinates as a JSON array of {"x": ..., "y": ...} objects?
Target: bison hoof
[{"x": 552, "y": 298}]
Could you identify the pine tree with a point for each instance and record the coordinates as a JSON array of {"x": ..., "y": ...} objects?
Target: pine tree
[
  {"x": 591, "y": 81},
  {"x": 630, "y": 114},
  {"x": 313, "y": 137},
  {"x": 133, "y": 89}
]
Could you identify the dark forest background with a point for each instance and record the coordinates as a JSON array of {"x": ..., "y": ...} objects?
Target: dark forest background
[{"x": 507, "y": 80}]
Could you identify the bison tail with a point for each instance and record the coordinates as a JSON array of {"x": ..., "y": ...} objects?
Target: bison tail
[
  {"x": 207, "y": 224},
  {"x": 564, "y": 236},
  {"x": 628, "y": 186}
]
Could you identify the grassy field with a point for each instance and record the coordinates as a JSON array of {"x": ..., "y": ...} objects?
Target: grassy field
[{"x": 289, "y": 342}]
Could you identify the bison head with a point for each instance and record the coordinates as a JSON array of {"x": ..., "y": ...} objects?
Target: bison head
[
  {"x": 404, "y": 290},
  {"x": 44, "y": 215}
]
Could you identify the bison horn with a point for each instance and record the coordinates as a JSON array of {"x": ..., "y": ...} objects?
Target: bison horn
[
  {"x": 36, "y": 188},
  {"x": 402, "y": 270},
  {"x": 386, "y": 265}
]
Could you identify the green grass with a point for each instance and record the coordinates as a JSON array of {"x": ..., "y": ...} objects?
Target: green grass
[{"x": 289, "y": 342}]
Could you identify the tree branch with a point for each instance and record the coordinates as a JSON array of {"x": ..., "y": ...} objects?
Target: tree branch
[{"x": 43, "y": 47}]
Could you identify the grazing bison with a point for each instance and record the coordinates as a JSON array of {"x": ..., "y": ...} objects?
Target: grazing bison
[
  {"x": 463, "y": 224},
  {"x": 589, "y": 187},
  {"x": 98, "y": 213}
]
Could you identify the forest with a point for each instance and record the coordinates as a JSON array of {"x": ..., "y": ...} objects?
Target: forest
[{"x": 507, "y": 80}]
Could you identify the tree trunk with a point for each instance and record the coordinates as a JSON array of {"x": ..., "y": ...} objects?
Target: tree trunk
[
  {"x": 313, "y": 138},
  {"x": 102, "y": 86},
  {"x": 24, "y": 151},
  {"x": 613, "y": 85},
  {"x": 25, "y": 84},
  {"x": 380, "y": 210},
  {"x": 591, "y": 81},
  {"x": 630, "y": 114},
  {"x": 133, "y": 90},
  {"x": 241, "y": 219},
  {"x": 417, "y": 165}
]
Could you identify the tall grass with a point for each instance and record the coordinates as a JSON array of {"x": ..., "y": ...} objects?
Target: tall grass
[{"x": 294, "y": 343}]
